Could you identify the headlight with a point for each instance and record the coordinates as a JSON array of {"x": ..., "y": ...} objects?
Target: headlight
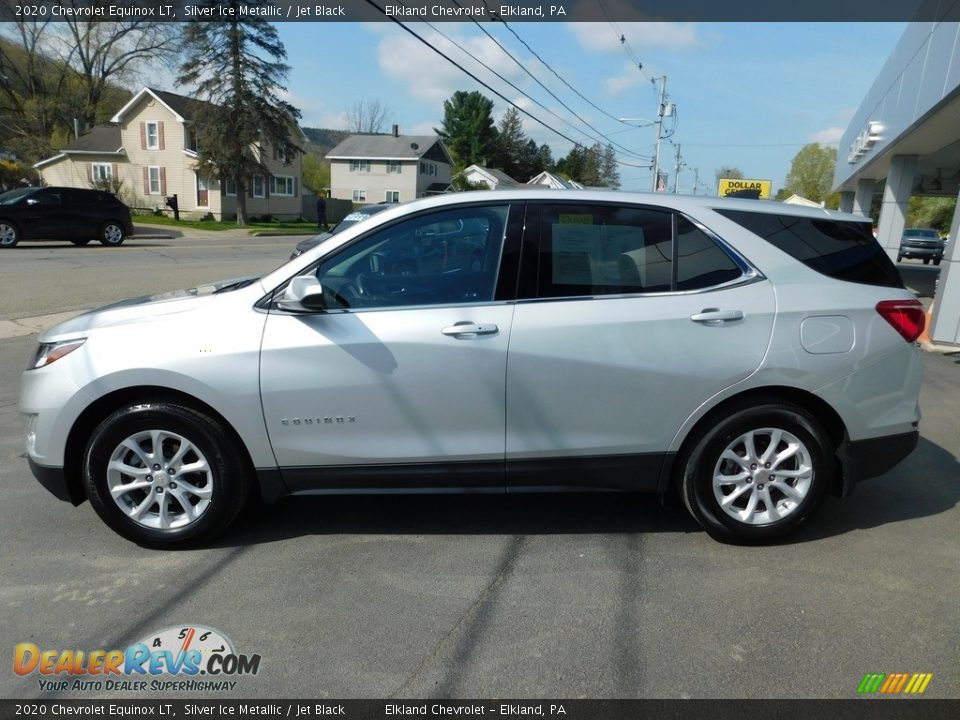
[{"x": 48, "y": 353}]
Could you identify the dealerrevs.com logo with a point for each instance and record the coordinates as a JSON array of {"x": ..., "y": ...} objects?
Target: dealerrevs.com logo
[
  {"x": 188, "y": 658},
  {"x": 898, "y": 683}
]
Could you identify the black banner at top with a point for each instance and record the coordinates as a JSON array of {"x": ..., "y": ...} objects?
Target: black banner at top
[
  {"x": 308, "y": 709},
  {"x": 621, "y": 11}
]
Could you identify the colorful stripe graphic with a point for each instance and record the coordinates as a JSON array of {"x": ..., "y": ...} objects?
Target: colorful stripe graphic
[{"x": 894, "y": 683}]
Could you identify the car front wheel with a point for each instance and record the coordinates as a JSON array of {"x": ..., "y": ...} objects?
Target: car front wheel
[
  {"x": 112, "y": 234},
  {"x": 758, "y": 473},
  {"x": 9, "y": 235},
  {"x": 164, "y": 475}
]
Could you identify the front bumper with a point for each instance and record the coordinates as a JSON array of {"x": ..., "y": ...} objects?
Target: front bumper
[
  {"x": 921, "y": 252},
  {"x": 865, "y": 459},
  {"x": 56, "y": 481}
]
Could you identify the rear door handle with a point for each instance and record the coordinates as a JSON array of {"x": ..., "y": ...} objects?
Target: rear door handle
[
  {"x": 468, "y": 328},
  {"x": 715, "y": 316}
]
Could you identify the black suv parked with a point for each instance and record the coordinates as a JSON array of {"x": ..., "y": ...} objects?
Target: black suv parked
[{"x": 60, "y": 213}]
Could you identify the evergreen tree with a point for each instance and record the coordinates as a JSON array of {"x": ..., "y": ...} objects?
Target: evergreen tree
[
  {"x": 237, "y": 66},
  {"x": 468, "y": 129}
]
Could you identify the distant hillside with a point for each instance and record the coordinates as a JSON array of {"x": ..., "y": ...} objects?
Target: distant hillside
[{"x": 320, "y": 141}]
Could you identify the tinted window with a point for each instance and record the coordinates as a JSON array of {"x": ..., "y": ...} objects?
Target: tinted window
[
  {"x": 701, "y": 263},
  {"x": 604, "y": 250},
  {"x": 440, "y": 258},
  {"x": 840, "y": 249}
]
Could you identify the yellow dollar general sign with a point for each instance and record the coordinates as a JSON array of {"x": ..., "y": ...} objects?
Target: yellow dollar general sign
[
  {"x": 728, "y": 186},
  {"x": 894, "y": 683}
]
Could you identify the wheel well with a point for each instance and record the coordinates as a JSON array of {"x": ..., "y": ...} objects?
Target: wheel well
[
  {"x": 101, "y": 408},
  {"x": 827, "y": 417}
]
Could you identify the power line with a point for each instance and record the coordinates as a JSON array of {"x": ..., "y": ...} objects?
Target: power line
[
  {"x": 548, "y": 67},
  {"x": 481, "y": 82},
  {"x": 526, "y": 95}
]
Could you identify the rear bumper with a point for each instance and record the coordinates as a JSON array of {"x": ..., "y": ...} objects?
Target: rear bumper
[
  {"x": 865, "y": 459},
  {"x": 55, "y": 480}
]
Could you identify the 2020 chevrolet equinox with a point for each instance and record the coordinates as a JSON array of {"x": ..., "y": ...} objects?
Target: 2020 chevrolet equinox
[{"x": 752, "y": 355}]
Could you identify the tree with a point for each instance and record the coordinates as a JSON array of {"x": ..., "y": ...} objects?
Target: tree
[
  {"x": 511, "y": 144},
  {"x": 316, "y": 173},
  {"x": 237, "y": 66},
  {"x": 932, "y": 212},
  {"x": 729, "y": 172},
  {"x": 811, "y": 174},
  {"x": 367, "y": 117},
  {"x": 110, "y": 53},
  {"x": 609, "y": 171},
  {"x": 468, "y": 129}
]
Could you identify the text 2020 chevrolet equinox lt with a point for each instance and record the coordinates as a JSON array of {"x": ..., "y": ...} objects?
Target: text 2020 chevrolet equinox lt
[{"x": 752, "y": 355}]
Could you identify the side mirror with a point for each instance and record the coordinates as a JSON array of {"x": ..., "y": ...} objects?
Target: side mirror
[{"x": 303, "y": 294}]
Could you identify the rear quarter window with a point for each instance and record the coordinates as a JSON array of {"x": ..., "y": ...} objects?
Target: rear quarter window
[{"x": 843, "y": 250}]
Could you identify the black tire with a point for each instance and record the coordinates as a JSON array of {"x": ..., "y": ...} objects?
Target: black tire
[
  {"x": 699, "y": 463},
  {"x": 112, "y": 234},
  {"x": 227, "y": 475},
  {"x": 899, "y": 258},
  {"x": 81, "y": 242},
  {"x": 9, "y": 234},
  {"x": 926, "y": 261},
  {"x": 937, "y": 261}
]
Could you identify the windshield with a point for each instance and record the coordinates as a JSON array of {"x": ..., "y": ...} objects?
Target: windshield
[
  {"x": 358, "y": 216},
  {"x": 9, "y": 198},
  {"x": 922, "y": 232}
]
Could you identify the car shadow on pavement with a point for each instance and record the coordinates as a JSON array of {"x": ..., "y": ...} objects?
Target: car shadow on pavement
[
  {"x": 927, "y": 483},
  {"x": 456, "y": 514}
]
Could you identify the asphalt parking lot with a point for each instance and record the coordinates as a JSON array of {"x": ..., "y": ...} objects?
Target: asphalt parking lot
[{"x": 602, "y": 596}]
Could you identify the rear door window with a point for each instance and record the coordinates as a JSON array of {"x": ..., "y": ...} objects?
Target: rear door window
[
  {"x": 844, "y": 250},
  {"x": 593, "y": 250}
]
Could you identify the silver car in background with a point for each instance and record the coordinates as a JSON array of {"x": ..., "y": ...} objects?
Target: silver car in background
[{"x": 751, "y": 356}]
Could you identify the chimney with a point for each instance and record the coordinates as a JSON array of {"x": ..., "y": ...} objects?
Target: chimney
[{"x": 396, "y": 130}]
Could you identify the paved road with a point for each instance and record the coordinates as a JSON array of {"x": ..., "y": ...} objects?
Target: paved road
[
  {"x": 41, "y": 278},
  {"x": 475, "y": 596}
]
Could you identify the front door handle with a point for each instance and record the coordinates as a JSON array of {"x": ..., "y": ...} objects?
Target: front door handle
[
  {"x": 715, "y": 316},
  {"x": 467, "y": 328}
]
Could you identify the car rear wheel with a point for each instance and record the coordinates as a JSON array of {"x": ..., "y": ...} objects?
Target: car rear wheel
[
  {"x": 937, "y": 261},
  {"x": 9, "y": 235},
  {"x": 926, "y": 261},
  {"x": 81, "y": 242},
  {"x": 164, "y": 475},
  {"x": 758, "y": 473},
  {"x": 112, "y": 234}
]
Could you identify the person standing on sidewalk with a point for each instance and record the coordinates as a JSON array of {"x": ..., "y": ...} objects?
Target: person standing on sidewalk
[{"x": 321, "y": 213}]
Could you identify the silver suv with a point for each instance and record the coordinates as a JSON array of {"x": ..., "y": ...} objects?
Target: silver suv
[{"x": 752, "y": 356}]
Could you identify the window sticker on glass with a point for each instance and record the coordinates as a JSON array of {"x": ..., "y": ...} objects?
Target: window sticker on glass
[{"x": 575, "y": 219}]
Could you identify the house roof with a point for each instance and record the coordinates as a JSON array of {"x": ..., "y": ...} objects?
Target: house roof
[
  {"x": 437, "y": 188},
  {"x": 495, "y": 176},
  {"x": 549, "y": 179},
  {"x": 102, "y": 138},
  {"x": 385, "y": 147}
]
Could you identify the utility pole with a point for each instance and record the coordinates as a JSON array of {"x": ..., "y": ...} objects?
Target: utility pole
[
  {"x": 676, "y": 172},
  {"x": 696, "y": 179},
  {"x": 660, "y": 112}
]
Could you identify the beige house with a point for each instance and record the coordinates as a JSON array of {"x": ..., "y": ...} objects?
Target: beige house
[
  {"x": 149, "y": 153},
  {"x": 389, "y": 168}
]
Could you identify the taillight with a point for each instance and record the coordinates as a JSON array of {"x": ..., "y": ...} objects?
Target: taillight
[{"x": 906, "y": 316}]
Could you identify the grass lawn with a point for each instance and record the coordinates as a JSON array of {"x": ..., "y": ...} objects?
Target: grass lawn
[{"x": 294, "y": 227}]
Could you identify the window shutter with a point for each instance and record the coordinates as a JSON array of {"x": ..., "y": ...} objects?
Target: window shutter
[
  {"x": 92, "y": 178},
  {"x": 250, "y": 188},
  {"x": 295, "y": 188},
  {"x": 143, "y": 136},
  {"x": 114, "y": 172},
  {"x": 146, "y": 180},
  {"x": 266, "y": 186},
  {"x": 163, "y": 181},
  {"x": 160, "y": 135}
]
